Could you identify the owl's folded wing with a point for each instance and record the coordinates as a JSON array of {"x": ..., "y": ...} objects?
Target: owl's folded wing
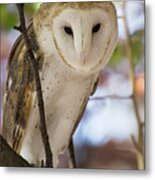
[{"x": 19, "y": 92}]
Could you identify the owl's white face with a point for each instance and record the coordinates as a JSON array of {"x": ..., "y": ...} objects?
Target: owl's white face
[{"x": 84, "y": 38}]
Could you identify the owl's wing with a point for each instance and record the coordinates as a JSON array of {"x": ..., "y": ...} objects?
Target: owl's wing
[
  {"x": 95, "y": 86},
  {"x": 19, "y": 91},
  {"x": 85, "y": 101},
  {"x": 71, "y": 144}
]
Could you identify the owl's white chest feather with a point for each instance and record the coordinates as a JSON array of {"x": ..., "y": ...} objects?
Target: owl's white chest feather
[{"x": 64, "y": 94}]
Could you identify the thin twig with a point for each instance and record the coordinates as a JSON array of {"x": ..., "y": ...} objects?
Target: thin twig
[
  {"x": 33, "y": 61},
  {"x": 139, "y": 143},
  {"x": 110, "y": 97},
  {"x": 135, "y": 142}
]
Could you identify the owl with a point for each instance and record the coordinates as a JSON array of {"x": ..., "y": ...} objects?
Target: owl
[{"x": 72, "y": 43}]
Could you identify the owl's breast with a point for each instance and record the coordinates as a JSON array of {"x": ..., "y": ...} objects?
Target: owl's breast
[{"x": 65, "y": 97}]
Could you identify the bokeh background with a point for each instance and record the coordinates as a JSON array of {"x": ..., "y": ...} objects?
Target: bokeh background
[{"x": 111, "y": 132}]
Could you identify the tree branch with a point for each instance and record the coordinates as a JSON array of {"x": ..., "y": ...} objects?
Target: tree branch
[
  {"x": 113, "y": 96},
  {"x": 140, "y": 143},
  {"x": 34, "y": 63},
  {"x": 9, "y": 158}
]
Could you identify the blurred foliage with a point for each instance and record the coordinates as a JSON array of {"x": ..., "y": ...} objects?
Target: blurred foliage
[
  {"x": 137, "y": 45},
  {"x": 9, "y": 14}
]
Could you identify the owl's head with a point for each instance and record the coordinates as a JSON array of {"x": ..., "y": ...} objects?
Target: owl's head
[{"x": 83, "y": 34}]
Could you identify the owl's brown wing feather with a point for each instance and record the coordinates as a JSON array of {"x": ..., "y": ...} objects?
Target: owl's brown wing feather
[{"x": 19, "y": 92}]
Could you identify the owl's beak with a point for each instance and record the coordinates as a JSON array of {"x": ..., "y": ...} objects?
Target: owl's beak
[{"x": 82, "y": 58}]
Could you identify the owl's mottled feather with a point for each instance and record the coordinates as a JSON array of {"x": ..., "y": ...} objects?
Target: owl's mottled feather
[{"x": 19, "y": 91}]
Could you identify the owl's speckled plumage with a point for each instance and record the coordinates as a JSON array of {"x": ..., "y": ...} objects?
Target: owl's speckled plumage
[{"x": 69, "y": 63}]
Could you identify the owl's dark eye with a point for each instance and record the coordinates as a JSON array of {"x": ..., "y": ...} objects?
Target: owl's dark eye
[
  {"x": 68, "y": 30},
  {"x": 96, "y": 28}
]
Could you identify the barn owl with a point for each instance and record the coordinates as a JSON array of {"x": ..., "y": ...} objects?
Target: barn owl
[{"x": 72, "y": 43}]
